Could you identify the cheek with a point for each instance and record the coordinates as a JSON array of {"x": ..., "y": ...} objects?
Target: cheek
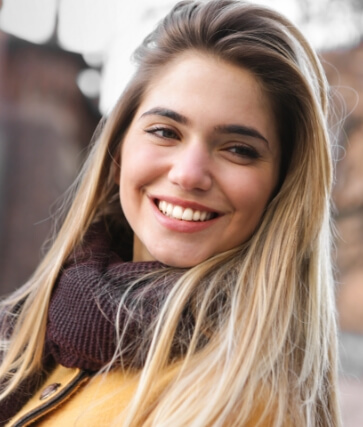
[
  {"x": 252, "y": 192},
  {"x": 132, "y": 166},
  {"x": 128, "y": 175},
  {"x": 139, "y": 168}
]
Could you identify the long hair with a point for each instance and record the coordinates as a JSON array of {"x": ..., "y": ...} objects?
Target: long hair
[{"x": 269, "y": 304}]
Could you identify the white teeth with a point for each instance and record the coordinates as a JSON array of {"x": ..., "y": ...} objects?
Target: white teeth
[
  {"x": 177, "y": 212},
  {"x": 169, "y": 209},
  {"x": 162, "y": 206},
  {"x": 196, "y": 216},
  {"x": 187, "y": 215},
  {"x": 183, "y": 214}
]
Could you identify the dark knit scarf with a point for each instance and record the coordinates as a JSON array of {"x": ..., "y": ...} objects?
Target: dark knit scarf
[{"x": 81, "y": 330}]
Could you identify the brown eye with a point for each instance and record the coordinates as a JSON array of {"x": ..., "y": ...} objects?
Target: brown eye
[
  {"x": 244, "y": 151},
  {"x": 163, "y": 132}
]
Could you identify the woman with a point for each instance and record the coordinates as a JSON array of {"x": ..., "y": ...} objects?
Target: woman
[{"x": 193, "y": 267}]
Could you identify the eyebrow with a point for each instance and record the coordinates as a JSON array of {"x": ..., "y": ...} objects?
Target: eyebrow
[
  {"x": 165, "y": 112},
  {"x": 223, "y": 129},
  {"x": 241, "y": 130}
]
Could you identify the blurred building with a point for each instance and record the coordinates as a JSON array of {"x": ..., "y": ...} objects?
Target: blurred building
[
  {"x": 345, "y": 73},
  {"x": 45, "y": 124}
]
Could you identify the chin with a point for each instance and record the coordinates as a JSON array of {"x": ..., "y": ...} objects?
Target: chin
[{"x": 179, "y": 261}]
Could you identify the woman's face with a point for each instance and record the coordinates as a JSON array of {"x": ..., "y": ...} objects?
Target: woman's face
[{"x": 199, "y": 162}]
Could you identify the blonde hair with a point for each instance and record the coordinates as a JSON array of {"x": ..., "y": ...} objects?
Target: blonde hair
[{"x": 268, "y": 306}]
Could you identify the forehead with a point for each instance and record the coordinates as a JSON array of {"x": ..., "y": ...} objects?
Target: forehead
[{"x": 193, "y": 65}]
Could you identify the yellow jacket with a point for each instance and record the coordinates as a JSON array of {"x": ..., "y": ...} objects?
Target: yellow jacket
[{"x": 71, "y": 397}]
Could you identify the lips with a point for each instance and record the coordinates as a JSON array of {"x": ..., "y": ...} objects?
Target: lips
[{"x": 184, "y": 213}]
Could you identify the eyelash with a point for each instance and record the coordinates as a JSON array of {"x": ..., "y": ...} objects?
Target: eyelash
[
  {"x": 156, "y": 129},
  {"x": 244, "y": 151}
]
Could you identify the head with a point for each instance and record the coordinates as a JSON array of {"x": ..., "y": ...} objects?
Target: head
[{"x": 258, "y": 44}]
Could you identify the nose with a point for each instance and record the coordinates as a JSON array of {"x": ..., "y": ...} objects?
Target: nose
[{"x": 191, "y": 167}]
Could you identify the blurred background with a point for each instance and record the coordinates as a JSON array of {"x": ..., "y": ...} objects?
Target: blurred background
[{"x": 64, "y": 63}]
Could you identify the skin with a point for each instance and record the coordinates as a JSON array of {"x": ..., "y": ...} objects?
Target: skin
[{"x": 203, "y": 138}]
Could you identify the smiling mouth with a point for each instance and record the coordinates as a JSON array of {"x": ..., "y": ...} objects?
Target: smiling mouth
[{"x": 184, "y": 214}]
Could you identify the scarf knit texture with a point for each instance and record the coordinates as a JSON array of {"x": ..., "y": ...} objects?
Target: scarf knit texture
[{"x": 81, "y": 329}]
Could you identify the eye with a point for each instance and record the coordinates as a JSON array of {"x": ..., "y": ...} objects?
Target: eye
[
  {"x": 162, "y": 132},
  {"x": 243, "y": 151}
]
